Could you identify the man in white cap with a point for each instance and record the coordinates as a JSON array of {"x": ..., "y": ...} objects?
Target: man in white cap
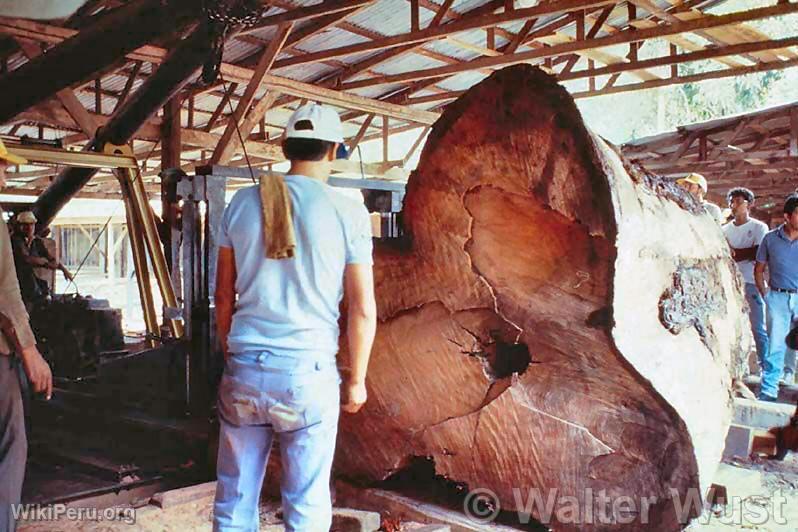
[
  {"x": 696, "y": 184},
  {"x": 291, "y": 249},
  {"x": 17, "y": 345}
]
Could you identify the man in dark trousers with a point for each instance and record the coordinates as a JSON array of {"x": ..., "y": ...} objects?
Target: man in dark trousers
[
  {"x": 291, "y": 249},
  {"x": 17, "y": 345}
]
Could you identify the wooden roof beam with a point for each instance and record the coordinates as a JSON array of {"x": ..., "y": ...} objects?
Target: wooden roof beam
[
  {"x": 328, "y": 7},
  {"x": 96, "y": 48},
  {"x": 441, "y": 31},
  {"x": 237, "y": 122},
  {"x": 716, "y": 74},
  {"x": 238, "y": 74}
]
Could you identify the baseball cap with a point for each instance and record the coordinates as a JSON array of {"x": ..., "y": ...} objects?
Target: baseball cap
[
  {"x": 695, "y": 179},
  {"x": 10, "y": 157},
  {"x": 317, "y": 122},
  {"x": 26, "y": 217}
]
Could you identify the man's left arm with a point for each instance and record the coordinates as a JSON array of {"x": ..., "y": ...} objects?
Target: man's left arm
[{"x": 225, "y": 296}]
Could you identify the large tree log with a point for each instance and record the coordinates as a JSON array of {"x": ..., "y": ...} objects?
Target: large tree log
[{"x": 530, "y": 239}]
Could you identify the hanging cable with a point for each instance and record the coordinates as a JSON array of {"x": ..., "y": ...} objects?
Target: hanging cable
[
  {"x": 233, "y": 118},
  {"x": 105, "y": 227},
  {"x": 360, "y": 156}
]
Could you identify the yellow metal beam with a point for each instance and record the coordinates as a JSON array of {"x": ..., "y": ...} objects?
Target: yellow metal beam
[{"x": 82, "y": 159}]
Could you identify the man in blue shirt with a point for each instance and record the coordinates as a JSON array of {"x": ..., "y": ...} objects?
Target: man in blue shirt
[
  {"x": 779, "y": 252},
  {"x": 280, "y": 338}
]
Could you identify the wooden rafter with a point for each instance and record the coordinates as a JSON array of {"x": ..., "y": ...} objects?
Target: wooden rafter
[
  {"x": 577, "y": 46},
  {"x": 441, "y": 31},
  {"x": 227, "y": 145},
  {"x": 66, "y": 96}
]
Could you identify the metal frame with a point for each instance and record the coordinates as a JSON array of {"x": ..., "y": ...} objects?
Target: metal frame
[
  {"x": 140, "y": 219},
  {"x": 82, "y": 159}
]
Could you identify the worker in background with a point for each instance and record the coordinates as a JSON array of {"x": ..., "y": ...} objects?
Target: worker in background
[
  {"x": 291, "y": 249},
  {"x": 30, "y": 253},
  {"x": 744, "y": 234},
  {"x": 51, "y": 248},
  {"x": 779, "y": 253},
  {"x": 17, "y": 346},
  {"x": 696, "y": 184}
]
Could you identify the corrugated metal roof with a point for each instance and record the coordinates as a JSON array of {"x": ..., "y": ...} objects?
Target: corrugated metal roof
[{"x": 380, "y": 19}]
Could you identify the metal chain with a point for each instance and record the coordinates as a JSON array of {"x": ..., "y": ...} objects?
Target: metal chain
[{"x": 235, "y": 12}]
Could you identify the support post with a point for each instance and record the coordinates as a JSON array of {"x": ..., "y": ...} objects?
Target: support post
[{"x": 173, "y": 74}]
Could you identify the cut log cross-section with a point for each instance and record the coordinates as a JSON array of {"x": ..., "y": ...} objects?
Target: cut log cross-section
[{"x": 554, "y": 320}]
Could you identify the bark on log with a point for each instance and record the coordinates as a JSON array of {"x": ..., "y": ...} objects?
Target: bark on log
[{"x": 530, "y": 238}]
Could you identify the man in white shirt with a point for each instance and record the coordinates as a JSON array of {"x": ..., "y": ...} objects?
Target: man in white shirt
[
  {"x": 277, "y": 317},
  {"x": 744, "y": 235},
  {"x": 696, "y": 184}
]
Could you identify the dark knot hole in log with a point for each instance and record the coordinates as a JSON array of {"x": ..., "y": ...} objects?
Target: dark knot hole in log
[
  {"x": 500, "y": 358},
  {"x": 509, "y": 358}
]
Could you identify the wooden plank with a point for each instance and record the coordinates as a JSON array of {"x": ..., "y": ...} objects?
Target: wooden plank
[
  {"x": 333, "y": 97},
  {"x": 171, "y": 498},
  {"x": 794, "y": 132}
]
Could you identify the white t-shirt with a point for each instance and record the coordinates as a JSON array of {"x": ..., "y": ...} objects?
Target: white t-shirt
[
  {"x": 292, "y": 305},
  {"x": 714, "y": 210},
  {"x": 747, "y": 235}
]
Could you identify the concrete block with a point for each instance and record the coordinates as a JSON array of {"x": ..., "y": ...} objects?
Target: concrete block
[
  {"x": 349, "y": 520},
  {"x": 738, "y": 442},
  {"x": 761, "y": 414},
  {"x": 404, "y": 508},
  {"x": 419, "y": 527},
  {"x": 344, "y": 520},
  {"x": 742, "y": 440},
  {"x": 738, "y": 481}
]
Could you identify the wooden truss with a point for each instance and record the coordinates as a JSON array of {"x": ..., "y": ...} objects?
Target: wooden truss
[
  {"x": 758, "y": 151},
  {"x": 389, "y": 65}
]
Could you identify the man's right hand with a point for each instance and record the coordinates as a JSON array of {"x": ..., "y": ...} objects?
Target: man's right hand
[
  {"x": 38, "y": 371},
  {"x": 355, "y": 395}
]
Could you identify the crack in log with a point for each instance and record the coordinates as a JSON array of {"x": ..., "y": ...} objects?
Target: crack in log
[
  {"x": 523, "y": 400},
  {"x": 476, "y": 271},
  {"x": 499, "y": 359}
]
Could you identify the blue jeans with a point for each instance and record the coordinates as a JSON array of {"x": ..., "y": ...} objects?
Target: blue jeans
[
  {"x": 756, "y": 314},
  {"x": 298, "y": 399},
  {"x": 782, "y": 310}
]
